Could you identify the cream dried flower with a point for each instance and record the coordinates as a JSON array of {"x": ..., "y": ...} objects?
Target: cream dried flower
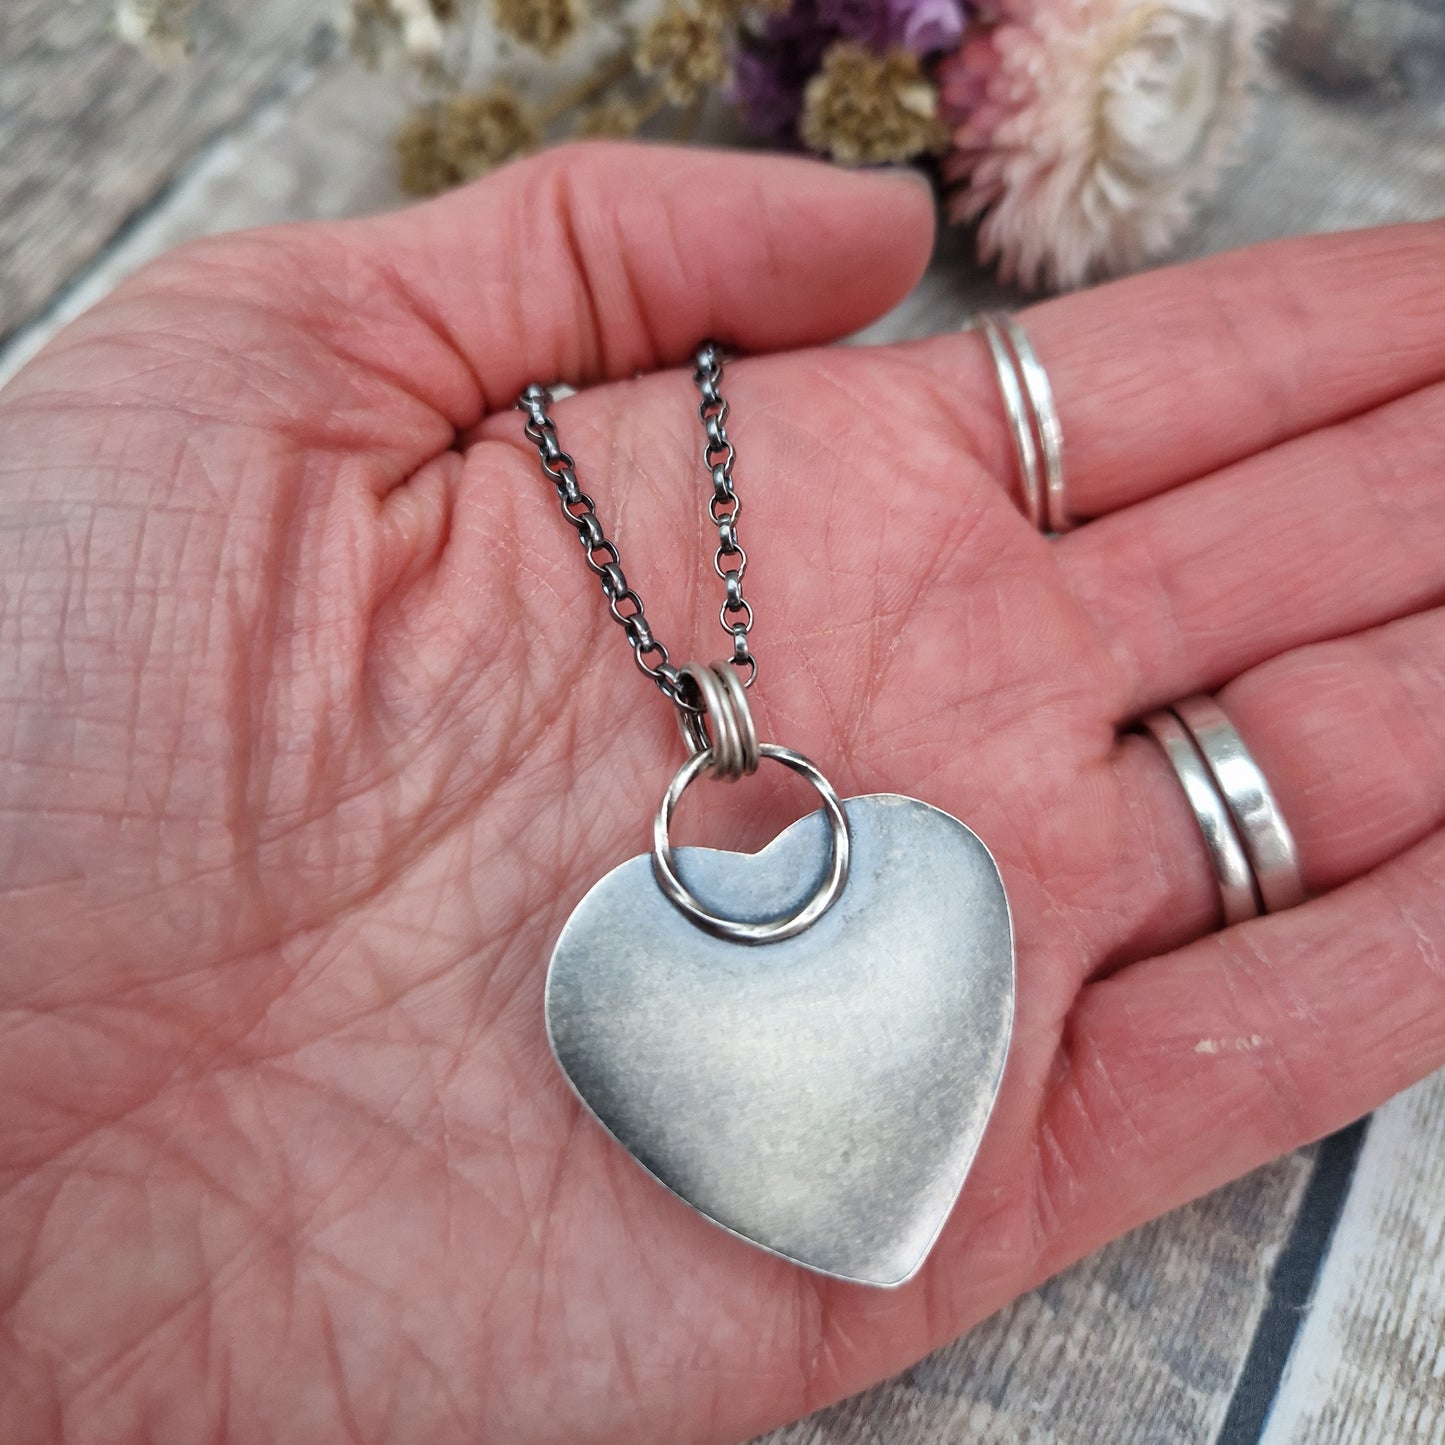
[
  {"x": 864, "y": 109},
  {"x": 687, "y": 45},
  {"x": 459, "y": 138},
  {"x": 1092, "y": 128},
  {"x": 369, "y": 26},
  {"x": 161, "y": 28},
  {"x": 542, "y": 25}
]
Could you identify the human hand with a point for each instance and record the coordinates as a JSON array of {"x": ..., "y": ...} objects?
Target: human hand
[{"x": 317, "y": 730}]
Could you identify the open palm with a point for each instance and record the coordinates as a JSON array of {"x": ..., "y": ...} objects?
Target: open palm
[{"x": 317, "y": 730}]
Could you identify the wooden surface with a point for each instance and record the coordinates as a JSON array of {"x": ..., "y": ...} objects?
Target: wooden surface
[
  {"x": 92, "y": 134},
  {"x": 1369, "y": 1362},
  {"x": 1193, "y": 1329}
]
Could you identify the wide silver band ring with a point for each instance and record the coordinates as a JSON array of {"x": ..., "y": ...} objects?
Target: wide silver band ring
[
  {"x": 1233, "y": 876},
  {"x": 1033, "y": 419},
  {"x": 1256, "y": 863},
  {"x": 1268, "y": 843}
]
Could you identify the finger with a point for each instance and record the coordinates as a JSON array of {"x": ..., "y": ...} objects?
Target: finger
[
  {"x": 587, "y": 261},
  {"x": 1184, "y": 1072},
  {"x": 1350, "y": 736},
  {"x": 596, "y": 261},
  {"x": 1325, "y": 535},
  {"x": 1168, "y": 376}
]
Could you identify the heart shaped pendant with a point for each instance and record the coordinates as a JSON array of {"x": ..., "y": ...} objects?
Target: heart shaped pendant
[{"x": 822, "y": 1096}]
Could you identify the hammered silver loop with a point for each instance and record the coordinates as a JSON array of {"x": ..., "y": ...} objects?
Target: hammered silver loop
[
  {"x": 724, "y": 725},
  {"x": 772, "y": 930}
]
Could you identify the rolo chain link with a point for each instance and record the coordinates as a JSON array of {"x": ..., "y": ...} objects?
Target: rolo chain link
[
  {"x": 602, "y": 557},
  {"x": 724, "y": 507}
]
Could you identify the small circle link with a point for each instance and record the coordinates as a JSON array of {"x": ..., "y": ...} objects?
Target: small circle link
[
  {"x": 614, "y": 583},
  {"x": 745, "y": 607},
  {"x": 633, "y": 601},
  {"x": 609, "y": 551},
  {"x": 590, "y": 530}
]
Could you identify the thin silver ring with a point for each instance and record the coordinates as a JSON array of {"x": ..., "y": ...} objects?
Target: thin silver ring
[
  {"x": 1268, "y": 842},
  {"x": 736, "y": 693},
  {"x": 664, "y": 864},
  {"x": 1026, "y": 450},
  {"x": 1046, "y": 420},
  {"x": 714, "y": 727},
  {"x": 1238, "y": 899},
  {"x": 724, "y": 709}
]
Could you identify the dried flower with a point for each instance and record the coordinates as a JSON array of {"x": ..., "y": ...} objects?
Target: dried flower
[
  {"x": 926, "y": 26},
  {"x": 1090, "y": 128},
  {"x": 544, "y": 25},
  {"x": 611, "y": 118},
  {"x": 161, "y": 28},
  {"x": 369, "y": 26},
  {"x": 863, "y": 108},
  {"x": 767, "y": 90},
  {"x": 444, "y": 144},
  {"x": 867, "y": 21},
  {"x": 687, "y": 45},
  {"x": 779, "y": 57},
  {"x": 421, "y": 30}
]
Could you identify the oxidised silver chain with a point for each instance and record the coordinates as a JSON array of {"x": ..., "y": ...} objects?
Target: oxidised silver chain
[
  {"x": 601, "y": 555},
  {"x": 724, "y": 507}
]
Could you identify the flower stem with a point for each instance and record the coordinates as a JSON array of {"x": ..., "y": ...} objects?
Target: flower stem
[{"x": 587, "y": 89}]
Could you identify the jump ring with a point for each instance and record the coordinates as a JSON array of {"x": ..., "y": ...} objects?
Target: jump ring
[
  {"x": 735, "y": 691},
  {"x": 664, "y": 863},
  {"x": 732, "y": 740}
]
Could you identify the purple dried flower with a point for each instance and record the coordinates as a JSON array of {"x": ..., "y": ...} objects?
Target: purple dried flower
[
  {"x": 768, "y": 92},
  {"x": 870, "y": 22},
  {"x": 925, "y": 26}
]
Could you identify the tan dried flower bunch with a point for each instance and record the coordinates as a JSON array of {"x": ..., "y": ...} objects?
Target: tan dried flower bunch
[
  {"x": 863, "y": 109},
  {"x": 544, "y": 25},
  {"x": 673, "y": 59},
  {"x": 455, "y": 139}
]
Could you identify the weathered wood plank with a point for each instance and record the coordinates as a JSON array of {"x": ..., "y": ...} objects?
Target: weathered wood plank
[
  {"x": 321, "y": 147},
  {"x": 1140, "y": 1344},
  {"x": 1368, "y": 1365},
  {"x": 92, "y": 130}
]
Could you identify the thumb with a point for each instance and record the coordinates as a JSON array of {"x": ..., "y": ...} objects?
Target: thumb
[{"x": 595, "y": 261}]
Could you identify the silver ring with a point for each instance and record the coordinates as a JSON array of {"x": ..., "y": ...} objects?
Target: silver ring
[
  {"x": 1268, "y": 843},
  {"x": 664, "y": 864},
  {"x": 733, "y": 741},
  {"x": 1238, "y": 898},
  {"x": 1033, "y": 418},
  {"x": 1026, "y": 451}
]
